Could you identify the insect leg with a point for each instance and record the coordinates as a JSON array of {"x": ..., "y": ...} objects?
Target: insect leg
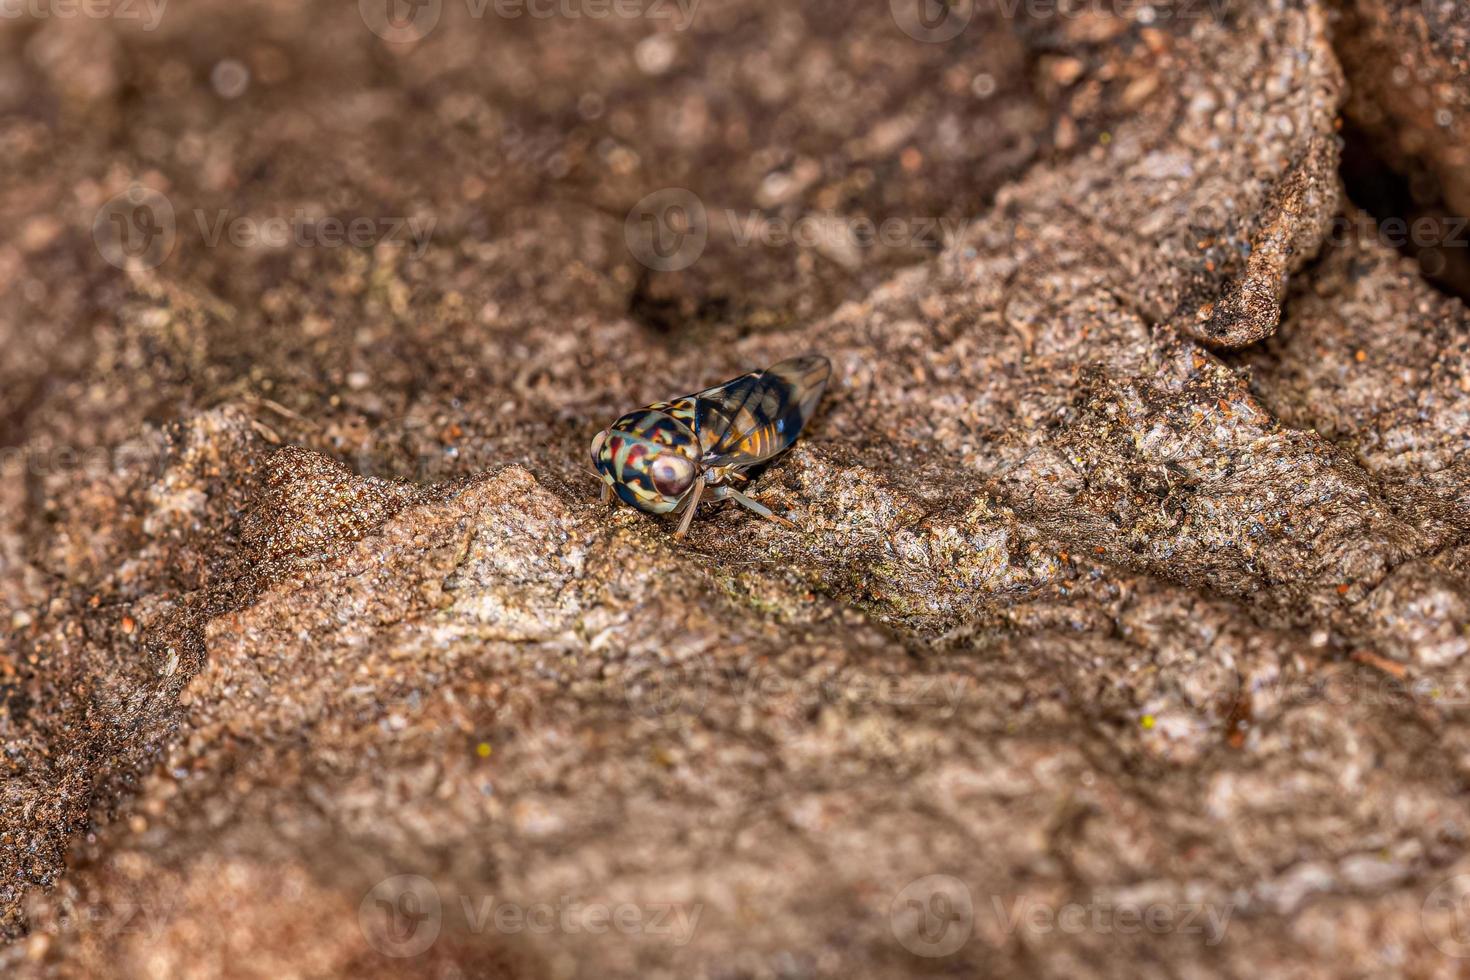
[
  {"x": 730, "y": 493},
  {"x": 689, "y": 507},
  {"x": 606, "y": 493}
]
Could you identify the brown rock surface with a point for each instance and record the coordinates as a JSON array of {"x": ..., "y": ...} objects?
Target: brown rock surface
[
  {"x": 1409, "y": 64},
  {"x": 307, "y": 586}
]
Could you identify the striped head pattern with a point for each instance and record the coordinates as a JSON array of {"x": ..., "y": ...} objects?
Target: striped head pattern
[{"x": 649, "y": 458}]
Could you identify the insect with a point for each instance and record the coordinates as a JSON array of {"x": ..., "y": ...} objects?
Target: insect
[{"x": 660, "y": 459}]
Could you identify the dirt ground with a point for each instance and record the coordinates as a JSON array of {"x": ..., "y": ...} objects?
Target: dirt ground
[{"x": 1126, "y": 627}]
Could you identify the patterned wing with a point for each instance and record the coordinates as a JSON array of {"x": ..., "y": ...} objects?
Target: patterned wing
[{"x": 757, "y": 415}]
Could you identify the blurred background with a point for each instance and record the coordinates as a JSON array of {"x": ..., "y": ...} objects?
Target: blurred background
[{"x": 1147, "y": 419}]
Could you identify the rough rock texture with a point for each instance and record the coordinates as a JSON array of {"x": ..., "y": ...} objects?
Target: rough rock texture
[
  {"x": 1133, "y": 570},
  {"x": 1409, "y": 64}
]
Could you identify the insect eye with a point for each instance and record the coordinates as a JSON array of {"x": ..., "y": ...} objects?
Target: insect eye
[
  {"x": 597, "y": 442},
  {"x": 671, "y": 474}
]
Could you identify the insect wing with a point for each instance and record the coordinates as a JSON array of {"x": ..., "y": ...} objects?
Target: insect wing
[{"x": 757, "y": 415}]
